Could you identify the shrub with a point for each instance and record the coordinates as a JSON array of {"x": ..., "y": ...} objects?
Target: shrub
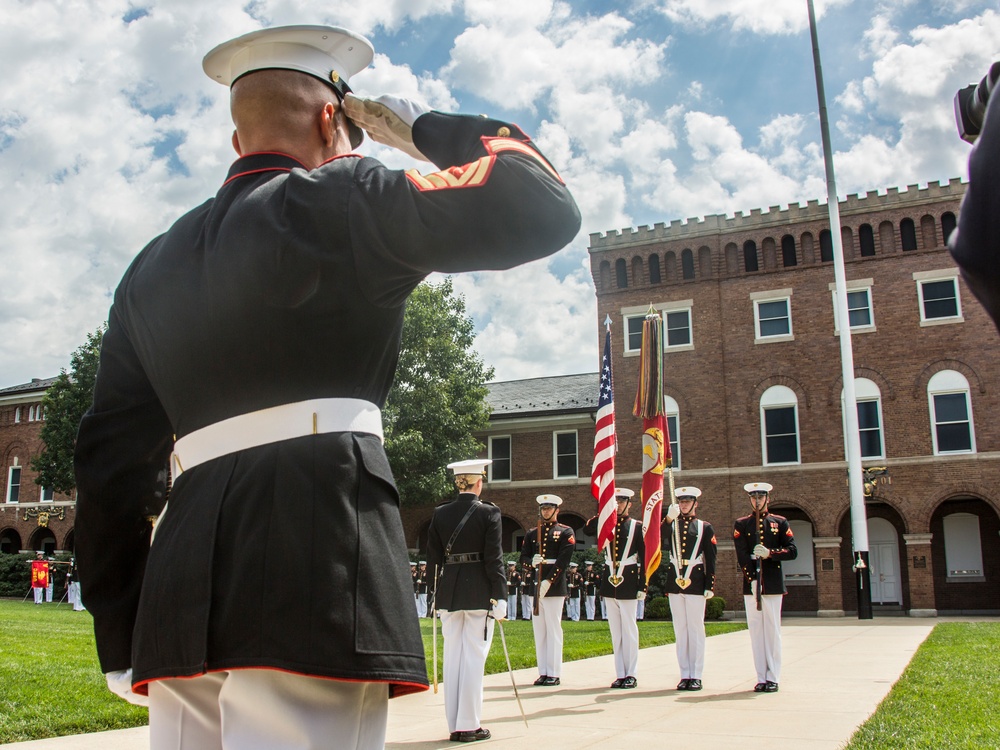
[
  {"x": 714, "y": 608},
  {"x": 15, "y": 575},
  {"x": 657, "y": 608}
]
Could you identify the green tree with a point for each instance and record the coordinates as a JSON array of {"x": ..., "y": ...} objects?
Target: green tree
[
  {"x": 65, "y": 403},
  {"x": 439, "y": 396}
]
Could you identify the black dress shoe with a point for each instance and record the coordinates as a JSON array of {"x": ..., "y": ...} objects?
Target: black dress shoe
[
  {"x": 618, "y": 683},
  {"x": 541, "y": 680},
  {"x": 770, "y": 687},
  {"x": 473, "y": 736},
  {"x": 630, "y": 682},
  {"x": 760, "y": 687},
  {"x": 694, "y": 685},
  {"x": 453, "y": 737},
  {"x": 683, "y": 684},
  {"x": 550, "y": 681}
]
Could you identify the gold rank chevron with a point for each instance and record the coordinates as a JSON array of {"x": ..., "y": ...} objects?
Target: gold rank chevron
[{"x": 476, "y": 173}]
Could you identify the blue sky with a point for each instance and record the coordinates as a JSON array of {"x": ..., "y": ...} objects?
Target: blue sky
[{"x": 652, "y": 110}]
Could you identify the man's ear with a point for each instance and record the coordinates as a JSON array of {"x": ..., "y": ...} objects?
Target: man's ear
[
  {"x": 236, "y": 144},
  {"x": 328, "y": 124}
]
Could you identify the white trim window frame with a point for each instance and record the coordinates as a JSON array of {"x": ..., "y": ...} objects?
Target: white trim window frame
[
  {"x": 948, "y": 392},
  {"x": 779, "y": 398},
  {"x": 769, "y": 308},
  {"x": 963, "y": 548},
  {"x": 672, "y": 412},
  {"x": 860, "y": 308},
  {"x": 931, "y": 286},
  {"x": 561, "y": 454},
  {"x": 502, "y": 460},
  {"x": 678, "y": 323},
  {"x": 870, "y": 422},
  {"x": 13, "y": 484},
  {"x": 632, "y": 333}
]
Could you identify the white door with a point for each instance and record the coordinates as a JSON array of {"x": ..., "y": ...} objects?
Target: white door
[{"x": 883, "y": 555}]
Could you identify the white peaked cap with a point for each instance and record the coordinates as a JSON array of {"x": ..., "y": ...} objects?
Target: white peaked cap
[
  {"x": 473, "y": 466},
  {"x": 623, "y": 492},
  {"x": 757, "y": 487},
  {"x": 687, "y": 492},
  {"x": 548, "y": 500},
  {"x": 329, "y": 53}
]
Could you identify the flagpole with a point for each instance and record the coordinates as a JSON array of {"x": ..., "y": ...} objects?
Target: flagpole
[{"x": 859, "y": 523}]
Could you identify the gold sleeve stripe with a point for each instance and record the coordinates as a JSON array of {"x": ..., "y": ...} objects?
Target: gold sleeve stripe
[
  {"x": 466, "y": 176},
  {"x": 496, "y": 145}
]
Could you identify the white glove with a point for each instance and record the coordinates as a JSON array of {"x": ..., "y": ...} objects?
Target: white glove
[
  {"x": 537, "y": 560},
  {"x": 543, "y": 589},
  {"x": 120, "y": 683},
  {"x": 709, "y": 593},
  {"x": 499, "y": 610},
  {"x": 387, "y": 119},
  {"x": 761, "y": 552},
  {"x": 641, "y": 595},
  {"x": 673, "y": 512},
  {"x": 753, "y": 588}
]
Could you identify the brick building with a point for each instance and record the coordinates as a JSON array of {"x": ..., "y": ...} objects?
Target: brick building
[
  {"x": 31, "y": 517},
  {"x": 753, "y": 389}
]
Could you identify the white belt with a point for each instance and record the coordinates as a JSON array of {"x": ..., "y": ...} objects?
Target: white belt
[
  {"x": 285, "y": 422},
  {"x": 630, "y": 560}
]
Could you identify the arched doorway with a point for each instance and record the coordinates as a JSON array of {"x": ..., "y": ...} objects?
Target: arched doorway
[
  {"x": 966, "y": 557},
  {"x": 43, "y": 540},
  {"x": 576, "y": 523},
  {"x": 883, "y": 556},
  {"x": 513, "y": 534},
  {"x": 10, "y": 542}
]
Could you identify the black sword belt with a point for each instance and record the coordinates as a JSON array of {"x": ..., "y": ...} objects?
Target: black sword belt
[{"x": 467, "y": 557}]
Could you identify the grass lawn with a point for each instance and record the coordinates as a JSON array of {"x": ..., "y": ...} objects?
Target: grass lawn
[
  {"x": 948, "y": 696},
  {"x": 51, "y": 684}
]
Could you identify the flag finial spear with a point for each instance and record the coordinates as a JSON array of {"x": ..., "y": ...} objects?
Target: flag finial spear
[
  {"x": 651, "y": 311},
  {"x": 607, "y": 323}
]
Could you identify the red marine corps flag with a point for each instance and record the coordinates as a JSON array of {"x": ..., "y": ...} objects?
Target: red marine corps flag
[
  {"x": 655, "y": 443},
  {"x": 602, "y": 476},
  {"x": 39, "y": 574}
]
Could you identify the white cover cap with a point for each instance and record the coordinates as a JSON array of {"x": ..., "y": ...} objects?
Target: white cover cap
[
  {"x": 752, "y": 487},
  {"x": 329, "y": 53},
  {"x": 473, "y": 466},
  {"x": 623, "y": 492},
  {"x": 687, "y": 492},
  {"x": 548, "y": 500}
]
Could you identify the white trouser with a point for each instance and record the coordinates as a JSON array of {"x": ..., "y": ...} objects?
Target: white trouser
[
  {"x": 640, "y": 609},
  {"x": 549, "y": 636},
  {"x": 77, "y": 602},
  {"x": 765, "y": 635},
  {"x": 48, "y": 593},
  {"x": 511, "y": 608},
  {"x": 467, "y": 638},
  {"x": 527, "y": 606},
  {"x": 591, "y": 608},
  {"x": 421, "y": 605},
  {"x": 573, "y": 608},
  {"x": 39, "y": 595},
  {"x": 264, "y": 709},
  {"x": 687, "y": 611},
  {"x": 624, "y": 635},
  {"x": 604, "y": 608}
]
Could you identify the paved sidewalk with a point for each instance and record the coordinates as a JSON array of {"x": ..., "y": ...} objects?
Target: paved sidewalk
[{"x": 835, "y": 672}]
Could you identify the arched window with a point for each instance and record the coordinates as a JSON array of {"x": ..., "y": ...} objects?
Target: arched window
[
  {"x": 869, "y": 401},
  {"x": 621, "y": 273},
  {"x": 670, "y": 265},
  {"x": 605, "y": 274},
  {"x": 750, "y": 256},
  {"x": 866, "y": 238},
  {"x": 808, "y": 249},
  {"x": 672, "y": 411},
  {"x": 769, "y": 251},
  {"x": 779, "y": 421},
  {"x": 825, "y": 247},
  {"x": 928, "y": 230},
  {"x": 802, "y": 568},
  {"x": 908, "y": 234},
  {"x": 687, "y": 264},
  {"x": 952, "y": 428},
  {"x": 788, "y": 258},
  {"x": 887, "y": 237},
  {"x": 963, "y": 547},
  {"x": 654, "y": 269},
  {"x": 705, "y": 262},
  {"x": 732, "y": 259},
  {"x": 847, "y": 242},
  {"x": 947, "y": 225},
  {"x": 637, "y": 274}
]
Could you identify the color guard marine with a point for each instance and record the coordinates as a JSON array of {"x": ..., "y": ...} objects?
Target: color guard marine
[
  {"x": 690, "y": 581},
  {"x": 590, "y": 580},
  {"x": 513, "y": 589},
  {"x": 547, "y": 549},
  {"x": 762, "y": 541},
  {"x": 623, "y": 584}
]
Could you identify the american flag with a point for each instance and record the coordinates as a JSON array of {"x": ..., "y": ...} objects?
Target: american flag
[{"x": 602, "y": 476}]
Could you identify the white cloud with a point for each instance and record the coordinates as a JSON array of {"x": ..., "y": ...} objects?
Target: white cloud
[{"x": 757, "y": 16}]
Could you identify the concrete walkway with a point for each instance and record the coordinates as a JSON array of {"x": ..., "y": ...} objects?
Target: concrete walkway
[{"x": 835, "y": 672}]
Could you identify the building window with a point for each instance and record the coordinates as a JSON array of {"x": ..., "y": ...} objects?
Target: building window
[
  {"x": 654, "y": 269},
  {"x": 859, "y": 305},
  {"x": 908, "y": 234},
  {"x": 952, "y": 428},
  {"x": 672, "y": 411},
  {"x": 947, "y": 225},
  {"x": 788, "y": 258},
  {"x": 17, "y": 415},
  {"x": 678, "y": 328},
  {"x": 687, "y": 264},
  {"x": 803, "y": 568},
  {"x": 779, "y": 425},
  {"x": 500, "y": 469},
  {"x": 13, "y": 484},
  {"x": 633, "y": 333},
  {"x": 47, "y": 495},
  {"x": 866, "y": 238},
  {"x": 869, "y": 403},
  {"x": 749, "y": 256},
  {"x": 772, "y": 316},
  {"x": 825, "y": 246},
  {"x": 939, "y": 301},
  {"x": 621, "y": 273},
  {"x": 564, "y": 444},
  {"x": 963, "y": 548}
]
